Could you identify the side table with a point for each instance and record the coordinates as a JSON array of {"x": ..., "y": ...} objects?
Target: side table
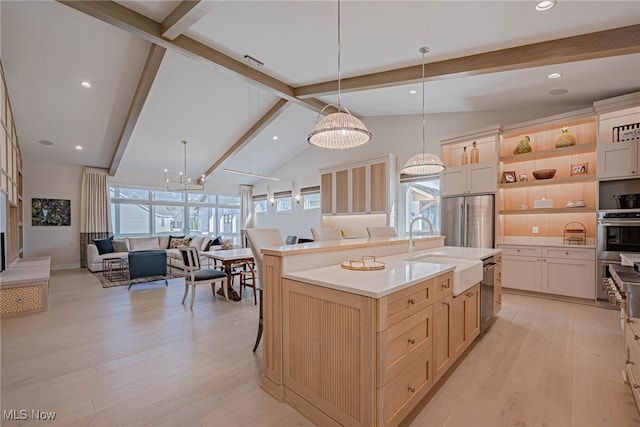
[{"x": 115, "y": 269}]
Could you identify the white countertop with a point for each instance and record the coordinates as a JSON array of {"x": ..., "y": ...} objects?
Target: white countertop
[
  {"x": 464, "y": 253},
  {"x": 629, "y": 258},
  {"x": 398, "y": 274}
]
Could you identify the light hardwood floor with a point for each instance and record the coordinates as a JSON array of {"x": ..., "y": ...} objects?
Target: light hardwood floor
[{"x": 110, "y": 357}]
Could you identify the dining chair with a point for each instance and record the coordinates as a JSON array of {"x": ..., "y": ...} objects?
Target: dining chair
[
  {"x": 325, "y": 234},
  {"x": 198, "y": 276},
  {"x": 382, "y": 232},
  {"x": 260, "y": 238},
  {"x": 248, "y": 280}
]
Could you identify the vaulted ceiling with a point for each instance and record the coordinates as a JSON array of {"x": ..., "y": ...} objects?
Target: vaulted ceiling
[{"x": 167, "y": 71}]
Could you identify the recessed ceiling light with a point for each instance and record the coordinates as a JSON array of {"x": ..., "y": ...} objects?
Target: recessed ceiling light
[
  {"x": 78, "y": 147},
  {"x": 558, "y": 91},
  {"x": 554, "y": 75},
  {"x": 413, "y": 91},
  {"x": 545, "y": 5},
  {"x": 275, "y": 137},
  {"x": 85, "y": 84},
  {"x": 45, "y": 142}
]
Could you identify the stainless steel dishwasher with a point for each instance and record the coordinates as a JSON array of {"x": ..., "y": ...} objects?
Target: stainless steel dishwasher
[{"x": 486, "y": 293}]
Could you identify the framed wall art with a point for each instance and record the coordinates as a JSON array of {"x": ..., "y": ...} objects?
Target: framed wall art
[
  {"x": 509, "y": 176},
  {"x": 579, "y": 169},
  {"x": 50, "y": 212}
]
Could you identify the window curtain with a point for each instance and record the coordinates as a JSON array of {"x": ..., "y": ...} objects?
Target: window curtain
[
  {"x": 246, "y": 219},
  {"x": 95, "y": 212}
]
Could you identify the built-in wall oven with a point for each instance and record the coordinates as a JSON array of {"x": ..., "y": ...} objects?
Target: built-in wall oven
[{"x": 617, "y": 232}]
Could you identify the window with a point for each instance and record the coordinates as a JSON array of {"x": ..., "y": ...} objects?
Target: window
[
  {"x": 310, "y": 198},
  {"x": 144, "y": 212},
  {"x": 282, "y": 200},
  {"x": 423, "y": 199},
  {"x": 259, "y": 203}
]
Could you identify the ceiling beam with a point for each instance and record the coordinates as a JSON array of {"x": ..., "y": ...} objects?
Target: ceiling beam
[
  {"x": 601, "y": 44},
  {"x": 187, "y": 13},
  {"x": 149, "y": 72},
  {"x": 277, "y": 109},
  {"x": 135, "y": 23}
]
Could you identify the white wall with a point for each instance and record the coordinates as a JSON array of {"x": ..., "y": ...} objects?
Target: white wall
[
  {"x": 401, "y": 135},
  {"x": 52, "y": 181}
]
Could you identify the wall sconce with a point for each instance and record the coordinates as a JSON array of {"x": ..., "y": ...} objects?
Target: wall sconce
[
  {"x": 272, "y": 201},
  {"x": 297, "y": 198}
]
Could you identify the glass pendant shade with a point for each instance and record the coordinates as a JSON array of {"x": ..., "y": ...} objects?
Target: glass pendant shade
[
  {"x": 339, "y": 131},
  {"x": 423, "y": 164}
]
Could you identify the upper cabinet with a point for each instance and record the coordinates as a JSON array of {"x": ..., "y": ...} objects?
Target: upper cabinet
[
  {"x": 470, "y": 171},
  {"x": 618, "y": 137},
  {"x": 359, "y": 188}
]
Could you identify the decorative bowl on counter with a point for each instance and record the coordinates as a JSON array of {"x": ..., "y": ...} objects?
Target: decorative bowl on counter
[{"x": 544, "y": 173}]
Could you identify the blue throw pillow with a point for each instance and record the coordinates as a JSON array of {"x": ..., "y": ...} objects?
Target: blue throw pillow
[
  {"x": 105, "y": 246},
  {"x": 217, "y": 241}
]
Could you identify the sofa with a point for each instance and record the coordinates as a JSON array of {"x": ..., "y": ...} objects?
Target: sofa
[{"x": 120, "y": 248}]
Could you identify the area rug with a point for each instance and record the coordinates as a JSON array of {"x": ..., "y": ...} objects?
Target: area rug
[{"x": 106, "y": 283}]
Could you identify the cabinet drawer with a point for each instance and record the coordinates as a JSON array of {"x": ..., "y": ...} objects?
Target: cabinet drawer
[
  {"x": 569, "y": 253},
  {"x": 27, "y": 298},
  {"x": 443, "y": 286},
  {"x": 521, "y": 250},
  {"x": 405, "y": 390},
  {"x": 404, "y": 303},
  {"x": 401, "y": 343}
]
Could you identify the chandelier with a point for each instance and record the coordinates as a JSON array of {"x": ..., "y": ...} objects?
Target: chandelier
[
  {"x": 341, "y": 130},
  {"x": 423, "y": 164},
  {"x": 183, "y": 183}
]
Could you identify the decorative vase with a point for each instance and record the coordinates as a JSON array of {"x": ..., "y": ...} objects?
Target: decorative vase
[
  {"x": 566, "y": 139},
  {"x": 464, "y": 160},
  {"x": 475, "y": 154},
  {"x": 524, "y": 145}
]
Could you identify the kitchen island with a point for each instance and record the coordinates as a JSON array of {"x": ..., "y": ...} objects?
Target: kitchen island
[{"x": 361, "y": 347}]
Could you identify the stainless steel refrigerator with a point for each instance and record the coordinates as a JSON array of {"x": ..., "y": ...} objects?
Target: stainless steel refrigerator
[{"x": 468, "y": 221}]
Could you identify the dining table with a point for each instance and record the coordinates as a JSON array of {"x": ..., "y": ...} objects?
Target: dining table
[{"x": 230, "y": 258}]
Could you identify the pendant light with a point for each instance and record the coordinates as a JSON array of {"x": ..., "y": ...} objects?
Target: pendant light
[
  {"x": 183, "y": 182},
  {"x": 341, "y": 130},
  {"x": 423, "y": 164}
]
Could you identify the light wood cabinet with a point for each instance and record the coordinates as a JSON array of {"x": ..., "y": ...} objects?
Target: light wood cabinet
[
  {"x": 356, "y": 360},
  {"x": 555, "y": 270},
  {"x": 442, "y": 345},
  {"x": 497, "y": 284},
  {"x": 465, "y": 320},
  {"x": 360, "y": 188},
  {"x": 632, "y": 355},
  {"x": 477, "y": 178},
  {"x": 618, "y": 159}
]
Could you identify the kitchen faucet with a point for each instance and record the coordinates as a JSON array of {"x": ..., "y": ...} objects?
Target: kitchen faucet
[{"x": 424, "y": 218}]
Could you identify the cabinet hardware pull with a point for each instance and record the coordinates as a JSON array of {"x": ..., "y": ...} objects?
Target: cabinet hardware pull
[
  {"x": 628, "y": 362},
  {"x": 635, "y": 337},
  {"x": 19, "y": 300},
  {"x": 636, "y": 386},
  {"x": 411, "y": 301},
  {"x": 411, "y": 341},
  {"x": 629, "y": 321},
  {"x": 566, "y": 253},
  {"x": 444, "y": 286},
  {"x": 412, "y": 389},
  {"x": 446, "y": 304}
]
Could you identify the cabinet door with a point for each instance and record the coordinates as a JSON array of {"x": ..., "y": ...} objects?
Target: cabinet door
[
  {"x": 458, "y": 334},
  {"x": 521, "y": 273},
  {"x": 472, "y": 313},
  {"x": 618, "y": 160},
  {"x": 342, "y": 191},
  {"x": 359, "y": 189},
  {"x": 570, "y": 277},
  {"x": 453, "y": 181},
  {"x": 482, "y": 178},
  {"x": 497, "y": 288},
  {"x": 326, "y": 193},
  {"x": 442, "y": 348},
  {"x": 378, "y": 188}
]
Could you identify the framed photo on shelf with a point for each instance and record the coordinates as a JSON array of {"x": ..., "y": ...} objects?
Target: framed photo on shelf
[
  {"x": 523, "y": 177},
  {"x": 509, "y": 176},
  {"x": 579, "y": 169}
]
